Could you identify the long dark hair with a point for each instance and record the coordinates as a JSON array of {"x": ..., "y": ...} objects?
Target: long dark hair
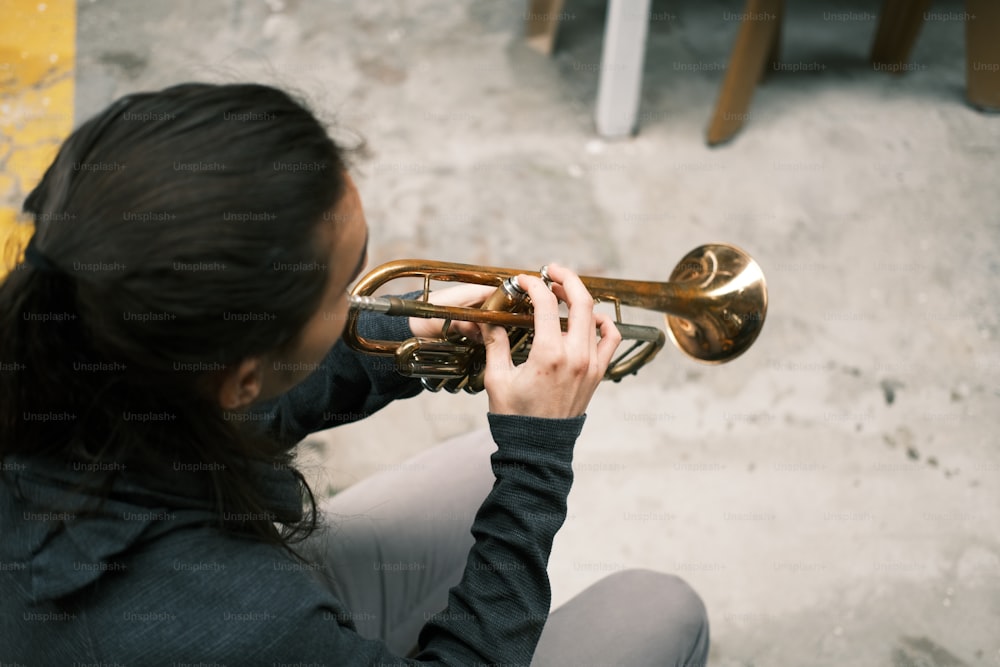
[{"x": 167, "y": 217}]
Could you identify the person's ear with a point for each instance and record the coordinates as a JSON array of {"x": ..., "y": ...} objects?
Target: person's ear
[{"x": 241, "y": 385}]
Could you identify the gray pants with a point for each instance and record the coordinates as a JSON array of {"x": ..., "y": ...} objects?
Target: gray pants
[{"x": 418, "y": 516}]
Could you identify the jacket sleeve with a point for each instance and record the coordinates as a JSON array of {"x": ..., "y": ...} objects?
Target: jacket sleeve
[
  {"x": 496, "y": 613},
  {"x": 347, "y": 386}
]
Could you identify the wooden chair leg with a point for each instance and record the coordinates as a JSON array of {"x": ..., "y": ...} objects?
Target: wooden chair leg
[
  {"x": 898, "y": 26},
  {"x": 982, "y": 54},
  {"x": 774, "y": 56},
  {"x": 755, "y": 43},
  {"x": 541, "y": 24}
]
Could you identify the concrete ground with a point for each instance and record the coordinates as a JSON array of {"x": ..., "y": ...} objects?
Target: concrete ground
[{"x": 833, "y": 493}]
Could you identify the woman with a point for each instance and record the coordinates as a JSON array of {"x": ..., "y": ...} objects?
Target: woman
[{"x": 174, "y": 331}]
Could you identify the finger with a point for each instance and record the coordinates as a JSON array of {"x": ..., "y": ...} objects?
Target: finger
[
  {"x": 461, "y": 295},
  {"x": 610, "y": 339},
  {"x": 468, "y": 329},
  {"x": 581, "y": 306},
  {"x": 547, "y": 328},
  {"x": 497, "y": 349},
  {"x": 560, "y": 293},
  {"x": 558, "y": 290},
  {"x": 467, "y": 295}
]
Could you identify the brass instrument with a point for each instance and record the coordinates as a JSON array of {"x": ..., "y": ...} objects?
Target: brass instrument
[{"x": 715, "y": 303}]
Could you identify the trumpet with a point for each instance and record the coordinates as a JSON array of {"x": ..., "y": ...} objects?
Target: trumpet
[{"x": 714, "y": 305}]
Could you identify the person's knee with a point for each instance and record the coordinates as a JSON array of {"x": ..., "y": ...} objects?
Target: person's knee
[{"x": 675, "y": 604}]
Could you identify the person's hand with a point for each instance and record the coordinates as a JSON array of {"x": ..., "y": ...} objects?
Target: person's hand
[
  {"x": 467, "y": 295},
  {"x": 563, "y": 369}
]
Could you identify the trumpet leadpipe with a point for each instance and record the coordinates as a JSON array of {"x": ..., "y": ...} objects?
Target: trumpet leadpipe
[{"x": 392, "y": 305}]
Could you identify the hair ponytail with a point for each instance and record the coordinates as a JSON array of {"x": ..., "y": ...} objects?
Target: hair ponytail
[{"x": 132, "y": 198}]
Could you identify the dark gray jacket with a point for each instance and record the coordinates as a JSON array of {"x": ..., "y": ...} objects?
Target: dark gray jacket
[{"x": 149, "y": 583}]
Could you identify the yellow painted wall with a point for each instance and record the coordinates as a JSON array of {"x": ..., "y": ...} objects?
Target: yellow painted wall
[{"x": 37, "y": 69}]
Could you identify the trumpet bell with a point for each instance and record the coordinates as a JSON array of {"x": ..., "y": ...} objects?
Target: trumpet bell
[{"x": 724, "y": 310}]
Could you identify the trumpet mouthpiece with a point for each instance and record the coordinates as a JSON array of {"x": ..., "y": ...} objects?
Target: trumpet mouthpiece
[{"x": 372, "y": 303}]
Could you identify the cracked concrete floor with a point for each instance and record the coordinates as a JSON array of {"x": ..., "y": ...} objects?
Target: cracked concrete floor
[{"x": 833, "y": 493}]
